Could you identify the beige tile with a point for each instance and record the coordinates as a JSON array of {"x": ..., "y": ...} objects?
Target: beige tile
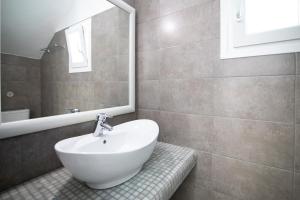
[
  {"x": 187, "y": 96},
  {"x": 260, "y": 98},
  {"x": 147, "y": 10},
  {"x": 255, "y": 141},
  {"x": 148, "y": 94},
  {"x": 249, "y": 181}
]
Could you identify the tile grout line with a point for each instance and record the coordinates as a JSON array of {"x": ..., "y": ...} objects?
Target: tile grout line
[
  {"x": 295, "y": 121},
  {"x": 221, "y": 77},
  {"x": 218, "y": 116}
]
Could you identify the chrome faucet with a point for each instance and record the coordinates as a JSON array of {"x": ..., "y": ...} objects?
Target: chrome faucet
[{"x": 102, "y": 125}]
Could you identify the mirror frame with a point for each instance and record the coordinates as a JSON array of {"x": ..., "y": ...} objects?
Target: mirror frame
[{"x": 16, "y": 128}]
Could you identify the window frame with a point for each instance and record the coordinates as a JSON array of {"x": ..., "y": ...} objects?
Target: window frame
[{"x": 234, "y": 44}]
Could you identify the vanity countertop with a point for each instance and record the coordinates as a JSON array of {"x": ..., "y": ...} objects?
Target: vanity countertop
[{"x": 160, "y": 177}]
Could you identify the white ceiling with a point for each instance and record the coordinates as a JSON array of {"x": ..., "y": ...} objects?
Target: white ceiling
[{"x": 29, "y": 25}]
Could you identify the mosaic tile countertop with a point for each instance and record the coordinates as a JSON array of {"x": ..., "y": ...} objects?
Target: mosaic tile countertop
[{"x": 160, "y": 177}]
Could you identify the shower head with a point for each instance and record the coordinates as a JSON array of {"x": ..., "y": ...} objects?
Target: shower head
[{"x": 45, "y": 50}]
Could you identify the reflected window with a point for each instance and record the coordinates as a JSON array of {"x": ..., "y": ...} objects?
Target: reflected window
[{"x": 79, "y": 46}]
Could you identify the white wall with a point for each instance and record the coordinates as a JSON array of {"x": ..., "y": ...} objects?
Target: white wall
[{"x": 29, "y": 25}]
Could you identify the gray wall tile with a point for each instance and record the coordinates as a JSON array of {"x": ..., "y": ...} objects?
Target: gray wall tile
[
  {"x": 283, "y": 64},
  {"x": 191, "y": 191},
  {"x": 187, "y": 130},
  {"x": 147, "y": 36},
  {"x": 256, "y": 141},
  {"x": 149, "y": 65},
  {"x": 19, "y": 60},
  {"x": 189, "y": 61},
  {"x": 297, "y": 99},
  {"x": 297, "y": 148},
  {"x": 170, "y": 6},
  {"x": 298, "y": 63},
  {"x": 147, "y": 10},
  {"x": 222, "y": 196},
  {"x": 22, "y": 76},
  {"x": 148, "y": 114},
  {"x": 189, "y": 25},
  {"x": 148, "y": 94},
  {"x": 297, "y": 186},
  {"x": 255, "y": 98},
  {"x": 187, "y": 96},
  {"x": 249, "y": 181}
]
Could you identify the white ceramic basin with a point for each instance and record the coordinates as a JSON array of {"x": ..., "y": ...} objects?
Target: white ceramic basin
[{"x": 104, "y": 162}]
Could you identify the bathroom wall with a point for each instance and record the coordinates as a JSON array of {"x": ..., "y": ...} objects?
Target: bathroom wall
[
  {"x": 239, "y": 114},
  {"x": 21, "y": 76},
  {"x": 106, "y": 85}
]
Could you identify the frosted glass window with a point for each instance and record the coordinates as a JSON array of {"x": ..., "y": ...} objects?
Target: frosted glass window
[
  {"x": 77, "y": 46},
  {"x": 268, "y": 15}
]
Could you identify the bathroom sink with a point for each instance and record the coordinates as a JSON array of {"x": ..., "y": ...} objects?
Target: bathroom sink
[{"x": 109, "y": 160}]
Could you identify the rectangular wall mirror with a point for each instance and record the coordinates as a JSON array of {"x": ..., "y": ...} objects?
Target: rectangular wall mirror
[{"x": 65, "y": 62}]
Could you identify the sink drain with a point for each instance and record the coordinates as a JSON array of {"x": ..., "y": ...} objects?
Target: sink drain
[{"x": 104, "y": 141}]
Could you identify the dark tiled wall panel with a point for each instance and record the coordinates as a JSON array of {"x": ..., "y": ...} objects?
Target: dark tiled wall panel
[
  {"x": 21, "y": 76},
  {"x": 240, "y": 114}
]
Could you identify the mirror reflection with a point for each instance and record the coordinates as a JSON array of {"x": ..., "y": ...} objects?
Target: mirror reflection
[{"x": 66, "y": 56}]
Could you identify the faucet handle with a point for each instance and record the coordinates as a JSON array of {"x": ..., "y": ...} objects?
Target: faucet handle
[{"x": 102, "y": 117}]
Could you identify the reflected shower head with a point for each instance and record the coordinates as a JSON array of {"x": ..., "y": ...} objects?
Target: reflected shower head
[{"x": 45, "y": 50}]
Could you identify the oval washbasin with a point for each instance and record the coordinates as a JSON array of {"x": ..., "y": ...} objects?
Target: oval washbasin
[{"x": 104, "y": 162}]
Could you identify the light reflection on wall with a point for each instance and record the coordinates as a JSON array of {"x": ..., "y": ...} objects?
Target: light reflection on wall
[{"x": 169, "y": 26}]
